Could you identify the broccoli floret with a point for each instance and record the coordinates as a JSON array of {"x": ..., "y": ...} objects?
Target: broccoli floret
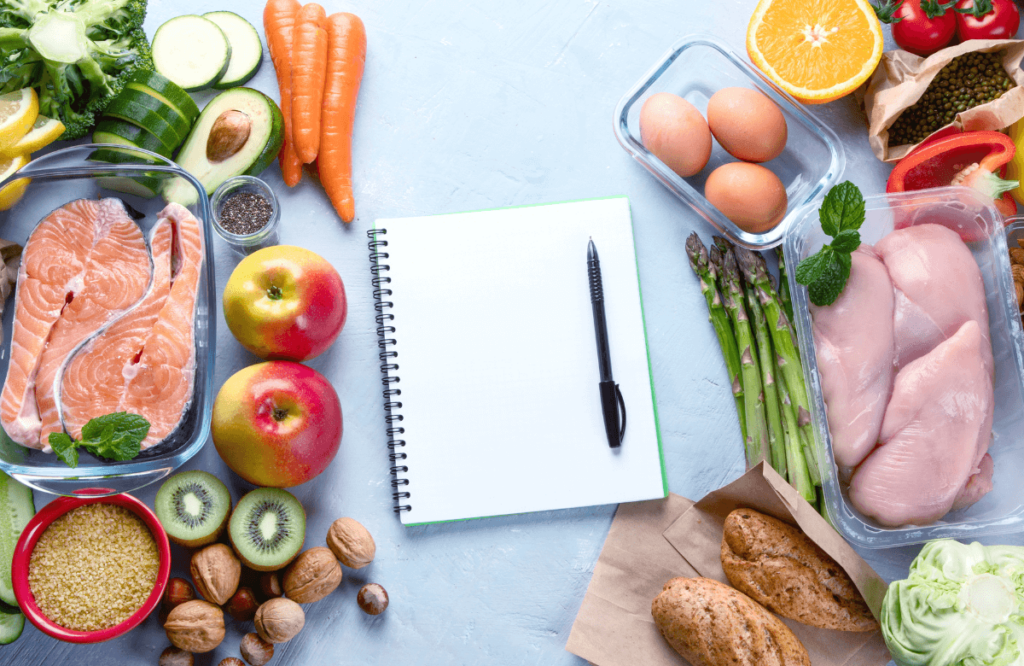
[{"x": 78, "y": 54}]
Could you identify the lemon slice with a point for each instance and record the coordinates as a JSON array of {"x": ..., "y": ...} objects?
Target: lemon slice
[
  {"x": 18, "y": 110},
  {"x": 44, "y": 132},
  {"x": 12, "y": 192}
]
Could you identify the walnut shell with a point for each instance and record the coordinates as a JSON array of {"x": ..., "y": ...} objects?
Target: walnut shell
[
  {"x": 195, "y": 626},
  {"x": 1016, "y": 255},
  {"x": 351, "y": 543},
  {"x": 216, "y": 572},
  {"x": 278, "y": 620},
  {"x": 313, "y": 575}
]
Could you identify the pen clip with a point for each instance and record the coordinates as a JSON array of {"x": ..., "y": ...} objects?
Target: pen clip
[{"x": 622, "y": 405}]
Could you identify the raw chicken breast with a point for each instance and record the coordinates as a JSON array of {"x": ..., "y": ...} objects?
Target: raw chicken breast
[
  {"x": 853, "y": 339},
  {"x": 934, "y": 435},
  {"x": 938, "y": 288}
]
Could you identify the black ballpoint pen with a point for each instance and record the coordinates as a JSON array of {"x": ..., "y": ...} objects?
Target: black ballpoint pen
[{"x": 611, "y": 396}]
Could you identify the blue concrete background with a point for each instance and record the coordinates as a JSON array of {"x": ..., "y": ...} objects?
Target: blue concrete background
[{"x": 467, "y": 106}]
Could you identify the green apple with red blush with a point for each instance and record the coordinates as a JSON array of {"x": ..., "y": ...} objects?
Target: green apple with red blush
[
  {"x": 285, "y": 303},
  {"x": 277, "y": 423}
]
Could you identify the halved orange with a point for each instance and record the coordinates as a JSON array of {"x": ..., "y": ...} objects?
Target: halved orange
[{"x": 816, "y": 50}]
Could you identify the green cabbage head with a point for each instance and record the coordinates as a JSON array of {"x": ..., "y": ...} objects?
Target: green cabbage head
[{"x": 961, "y": 605}]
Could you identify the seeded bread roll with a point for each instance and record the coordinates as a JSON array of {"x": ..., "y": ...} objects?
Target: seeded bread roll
[
  {"x": 780, "y": 568},
  {"x": 711, "y": 624}
]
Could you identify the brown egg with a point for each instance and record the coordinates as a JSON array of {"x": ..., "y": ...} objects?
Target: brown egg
[
  {"x": 747, "y": 124},
  {"x": 748, "y": 194},
  {"x": 674, "y": 130}
]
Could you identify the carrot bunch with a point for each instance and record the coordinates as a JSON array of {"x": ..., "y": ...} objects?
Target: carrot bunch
[{"x": 319, "y": 62}]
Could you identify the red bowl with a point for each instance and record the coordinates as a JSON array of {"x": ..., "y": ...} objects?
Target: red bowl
[{"x": 36, "y": 527}]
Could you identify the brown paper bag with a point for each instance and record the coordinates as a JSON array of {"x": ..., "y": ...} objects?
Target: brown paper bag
[
  {"x": 651, "y": 542},
  {"x": 902, "y": 77}
]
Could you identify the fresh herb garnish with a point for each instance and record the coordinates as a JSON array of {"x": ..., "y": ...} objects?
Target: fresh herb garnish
[
  {"x": 116, "y": 436},
  {"x": 825, "y": 273}
]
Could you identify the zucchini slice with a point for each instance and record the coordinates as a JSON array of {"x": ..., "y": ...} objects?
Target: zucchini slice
[
  {"x": 111, "y": 130},
  {"x": 16, "y": 508},
  {"x": 191, "y": 51},
  {"x": 160, "y": 122},
  {"x": 166, "y": 91},
  {"x": 178, "y": 122},
  {"x": 141, "y": 186},
  {"x": 246, "y": 48},
  {"x": 11, "y": 626}
]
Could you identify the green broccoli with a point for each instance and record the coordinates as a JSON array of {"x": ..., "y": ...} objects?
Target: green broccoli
[{"x": 78, "y": 54}]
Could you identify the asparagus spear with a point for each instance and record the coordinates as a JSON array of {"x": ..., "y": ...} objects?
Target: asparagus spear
[
  {"x": 765, "y": 357},
  {"x": 787, "y": 303},
  {"x": 707, "y": 273},
  {"x": 756, "y": 441},
  {"x": 798, "y": 475},
  {"x": 789, "y": 360}
]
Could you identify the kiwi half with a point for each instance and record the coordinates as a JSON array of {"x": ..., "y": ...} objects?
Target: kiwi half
[
  {"x": 267, "y": 528},
  {"x": 193, "y": 507}
]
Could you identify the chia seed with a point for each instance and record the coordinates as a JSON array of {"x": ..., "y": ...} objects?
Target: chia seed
[{"x": 245, "y": 213}]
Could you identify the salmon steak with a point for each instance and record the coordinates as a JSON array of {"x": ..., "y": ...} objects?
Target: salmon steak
[
  {"x": 161, "y": 382},
  {"x": 94, "y": 380},
  {"x": 83, "y": 267}
]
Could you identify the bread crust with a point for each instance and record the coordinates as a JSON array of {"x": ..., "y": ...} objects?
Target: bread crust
[
  {"x": 711, "y": 624},
  {"x": 778, "y": 566}
]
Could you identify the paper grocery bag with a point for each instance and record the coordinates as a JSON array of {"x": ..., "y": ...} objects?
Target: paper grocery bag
[
  {"x": 651, "y": 542},
  {"x": 902, "y": 77}
]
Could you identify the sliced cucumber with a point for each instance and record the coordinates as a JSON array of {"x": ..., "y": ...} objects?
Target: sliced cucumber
[
  {"x": 141, "y": 186},
  {"x": 175, "y": 119},
  {"x": 16, "y": 508},
  {"x": 246, "y": 48},
  {"x": 158, "y": 123},
  {"x": 11, "y": 626},
  {"x": 165, "y": 90},
  {"x": 111, "y": 130},
  {"x": 191, "y": 51},
  {"x": 120, "y": 156}
]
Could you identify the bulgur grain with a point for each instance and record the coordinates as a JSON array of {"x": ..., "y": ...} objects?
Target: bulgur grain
[{"x": 93, "y": 567}]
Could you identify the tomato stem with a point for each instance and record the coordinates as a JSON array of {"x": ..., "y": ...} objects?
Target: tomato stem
[
  {"x": 886, "y": 9},
  {"x": 977, "y": 9},
  {"x": 934, "y": 8}
]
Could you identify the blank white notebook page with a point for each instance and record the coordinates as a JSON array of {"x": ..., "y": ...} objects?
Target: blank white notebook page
[{"x": 497, "y": 361}]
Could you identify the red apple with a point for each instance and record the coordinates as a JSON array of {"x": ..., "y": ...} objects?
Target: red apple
[
  {"x": 285, "y": 302},
  {"x": 277, "y": 423}
]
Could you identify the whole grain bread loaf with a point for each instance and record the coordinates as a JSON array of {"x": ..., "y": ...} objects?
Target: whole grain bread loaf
[
  {"x": 710, "y": 624},
  {"x": 778, "y": 566}
]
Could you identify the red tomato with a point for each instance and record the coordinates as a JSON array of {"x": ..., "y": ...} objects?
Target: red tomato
[
  {"x": 919, "y": 26},
  {"x": 986, "y": 19}
]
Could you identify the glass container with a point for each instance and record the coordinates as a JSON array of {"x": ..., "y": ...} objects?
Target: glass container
[{"x": 266, "y": 235}]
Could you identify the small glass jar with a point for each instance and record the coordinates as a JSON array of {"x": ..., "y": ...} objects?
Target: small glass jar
[{"x": 266, "y": 235}]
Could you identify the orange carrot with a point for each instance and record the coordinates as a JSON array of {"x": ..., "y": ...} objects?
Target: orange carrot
[
  {"x": 309, "y": 67},
  {"x": 278, "y": 24},
  {"x": 346, "y": 53}
]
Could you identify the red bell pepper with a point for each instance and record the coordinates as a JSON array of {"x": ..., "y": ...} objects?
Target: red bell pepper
[{"x": 971, "y": 159}]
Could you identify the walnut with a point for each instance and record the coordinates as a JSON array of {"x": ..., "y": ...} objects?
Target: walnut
[
  {"x": 255, "y": 650},
  {"x": 278, "y": 620},
  {"x": 351, "y": 543},
  {"x": 195, "y": 626},
  {"x": 313, "y": 575},
  {"x": 216, "y": 572}
]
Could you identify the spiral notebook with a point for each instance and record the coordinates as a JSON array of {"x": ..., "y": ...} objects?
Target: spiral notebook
[{"x": 489, "y": 361}]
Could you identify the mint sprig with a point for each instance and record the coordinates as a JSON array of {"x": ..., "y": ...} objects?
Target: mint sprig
[
  {"x": 116, "y": 436},
  {"x": 825, "y": 273}
]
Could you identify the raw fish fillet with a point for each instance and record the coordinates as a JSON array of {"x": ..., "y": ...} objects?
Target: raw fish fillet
[
  {"x": 93, "y": 383},
  {"x": 83, "y": 266},
  {"x": 935, "y": 434},
  {"x": 938, "y": 288},
  {"x": 161, "y": 388},
  {"x": 853, "y": 339}
]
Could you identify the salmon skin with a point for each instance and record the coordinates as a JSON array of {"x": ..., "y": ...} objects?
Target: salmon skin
[{"x": 83, "y": 266}]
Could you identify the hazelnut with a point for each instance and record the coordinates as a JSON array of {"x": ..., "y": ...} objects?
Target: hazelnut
[
  {"x": 278, "y": 620},
  {"x": 231, "y": 661},
  {"x": 270, "y": 585},
  {"x": 373, "y": 599},
  {"x": 172, "y": 656},
  {"x": 177, "y": 592},
  {"x": 242, "y": 605},
  {"x": 313, "y": 575},
  {"x": 255, "y": 650},
  {"x": 195, "y": 626},
  {"x": 216, "y": 571},
  {"x": 228, "y": 134},
  {"x": 351, "y": 543}
]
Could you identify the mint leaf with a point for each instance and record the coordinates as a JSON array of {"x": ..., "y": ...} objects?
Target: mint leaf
[
  {"x": 811, "y": 269},
  {"x": 826, "y": 289},
  {"x": 64, "y": 447},
  {"x": 843, "y": 208},
  {"x": 847, "y": 241}
]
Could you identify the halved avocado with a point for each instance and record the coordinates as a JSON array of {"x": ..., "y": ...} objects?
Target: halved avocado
[{"x": 266, "y": 133}]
